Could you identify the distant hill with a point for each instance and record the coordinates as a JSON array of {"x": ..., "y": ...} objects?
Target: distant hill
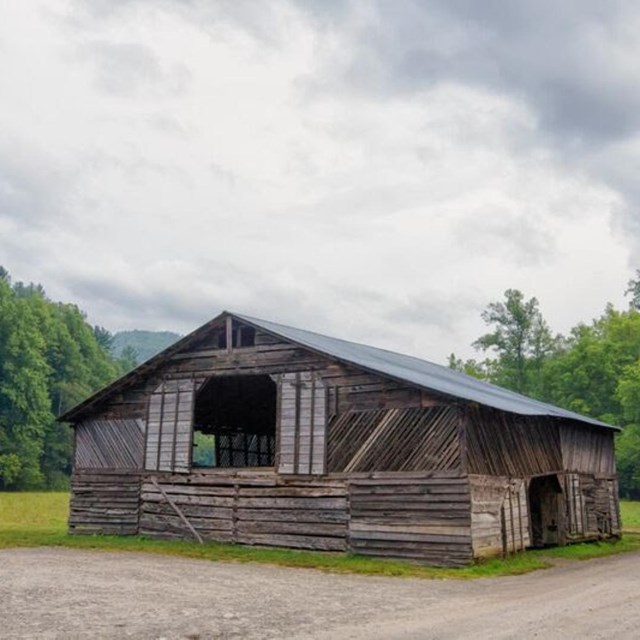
[{"x": 145, "y": 343}]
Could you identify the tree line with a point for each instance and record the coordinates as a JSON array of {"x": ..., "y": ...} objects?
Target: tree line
[
  {"x": 50, "y": 360},
  {"x": 594, "y": 370}
]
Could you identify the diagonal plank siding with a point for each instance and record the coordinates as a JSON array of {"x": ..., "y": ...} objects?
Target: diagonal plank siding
[
  {"x": 109, "y": 444},
  {"x": 414, "y": 439}
]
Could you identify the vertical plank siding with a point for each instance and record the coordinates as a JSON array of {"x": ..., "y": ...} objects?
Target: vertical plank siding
[
  {"x": 109, "y": 444},
  {"x": 598, "y": 499},
  {"x": 504, "y": 444},
  {"x": 587, "y": 449},
  {"x": 169, "y": 426},
  {"x": 302, "y": 424},
  {"x": 499, "y": 515}
]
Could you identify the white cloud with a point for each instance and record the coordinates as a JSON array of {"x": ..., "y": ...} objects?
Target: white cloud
[{"x": 161, "y": 161}]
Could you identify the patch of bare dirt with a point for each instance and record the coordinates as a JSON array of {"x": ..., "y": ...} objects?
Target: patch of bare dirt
[{"x": 60, "y": 593}]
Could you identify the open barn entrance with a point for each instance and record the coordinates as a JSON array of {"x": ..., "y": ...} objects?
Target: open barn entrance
[
  {"x": 544, "y": 504},
  {"x": 235, "y": 422}
]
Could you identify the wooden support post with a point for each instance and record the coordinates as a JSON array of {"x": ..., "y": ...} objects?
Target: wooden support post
[{"x": 229, "y": 335}]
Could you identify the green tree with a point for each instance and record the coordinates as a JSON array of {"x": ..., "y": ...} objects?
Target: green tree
[
  {"x": 633, "y": 290},
  {"x": 128, "y": 359},
  {"x": 50, "y": 359},
  {"x": 24, "y": 403},
  {"x": 520, "y": 340},
  {"x": 104, "y": 338},
  {"x": 585, "y": 375}
]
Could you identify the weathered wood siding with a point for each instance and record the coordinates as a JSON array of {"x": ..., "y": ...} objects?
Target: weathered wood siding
[
  {"x": 109, "y": 444},
  {"x": 169, "y": 426},
  {"x": 249, "y": 507},
  {"x": 418, "y": 516},
  {"x": 410, "y": 439},
  {"x": 587, "y": 449},
  {"x": 302, "y": 424},
  {"x": 352, "y": 389},
  {"x": 504, "y": 444},
  {"x": 499, "y": 515},
  {"x": 104, "y": 502},
  {"x": 592, "y": 507}
]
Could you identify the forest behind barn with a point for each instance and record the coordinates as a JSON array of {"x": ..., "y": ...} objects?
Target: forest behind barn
[{"x": 51, "y": 358}]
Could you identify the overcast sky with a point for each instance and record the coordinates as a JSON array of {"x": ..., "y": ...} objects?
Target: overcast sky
[{"x": 377, "y": 171}]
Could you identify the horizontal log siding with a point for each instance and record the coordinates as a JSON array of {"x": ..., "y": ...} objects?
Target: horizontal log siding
[
  {"x": 587, "y": 449},
  {"x": 109, "y": 444},
  {"x": 504, "y": 444},
  {"x": 499, "y": 515},
  {"x": 421, "y": 517},
  {"x": 250, "y": 508},
  {"x": 104, "y": 502},
  {"x": 413, "y": 439}
]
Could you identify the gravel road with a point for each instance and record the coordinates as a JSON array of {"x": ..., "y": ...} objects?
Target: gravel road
[{"x": 60, "y": 593}]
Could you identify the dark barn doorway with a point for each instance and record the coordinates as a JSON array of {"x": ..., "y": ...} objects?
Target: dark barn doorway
[
  {"x": 545, "y": 495},
  {"x": 235, "y": 422}
]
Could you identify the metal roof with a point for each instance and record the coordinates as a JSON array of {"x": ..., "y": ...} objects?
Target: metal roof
[
  {"x": 404, "y": 368},
  {"x": 420, "y": 373}
]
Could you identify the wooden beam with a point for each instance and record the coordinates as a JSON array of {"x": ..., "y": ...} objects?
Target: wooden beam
[
  {"x": 229, "y": 334},
  {"x": 179, "y": 513}
]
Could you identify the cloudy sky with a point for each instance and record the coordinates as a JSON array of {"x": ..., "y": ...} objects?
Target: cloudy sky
[{"x": 378, "y": 171}]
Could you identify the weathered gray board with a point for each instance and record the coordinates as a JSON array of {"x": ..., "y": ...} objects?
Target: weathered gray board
[
  {"x": 417, "y": 516},
  {"x": 357, "y": 507},
  {"x": 420, "y": 516},
  {"x": 105, "y": 502},
  {"x": 302, "y": 423},
  {"x": 404, "y": 439},
  {"x": 250, "y": 508},
  {"x": 499, "y": 515},
  {"x": 439, "y": 518},
  {"x": 109, "y": 444},
  {"x": 169, "y": 426}
]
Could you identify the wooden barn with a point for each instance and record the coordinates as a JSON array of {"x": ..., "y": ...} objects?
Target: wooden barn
[{"x": 257, "y": 433}]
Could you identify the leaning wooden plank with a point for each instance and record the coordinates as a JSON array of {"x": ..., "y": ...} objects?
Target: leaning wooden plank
[{"x": 177, "y": 510}]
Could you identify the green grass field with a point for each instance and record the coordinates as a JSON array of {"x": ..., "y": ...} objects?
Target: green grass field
[
  {"x": 39, "y": 519},
  {"x": 630, "y": 513}
]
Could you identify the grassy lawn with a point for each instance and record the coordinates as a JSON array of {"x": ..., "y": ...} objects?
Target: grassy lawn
[
  {"x": 630, "y": 512},
  {"x": 39, "y": 519}
]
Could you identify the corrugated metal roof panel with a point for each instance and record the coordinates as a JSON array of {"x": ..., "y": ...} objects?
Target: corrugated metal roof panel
[{"x": 419, "y": 372}]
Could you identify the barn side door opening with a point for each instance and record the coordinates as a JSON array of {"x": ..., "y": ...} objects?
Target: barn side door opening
[
  {"x": 545, "y": 501},
  {"x": 235, "y": 422}
]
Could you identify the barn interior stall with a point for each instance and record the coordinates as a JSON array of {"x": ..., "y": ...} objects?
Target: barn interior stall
[{"x": 252, "y": 432}]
